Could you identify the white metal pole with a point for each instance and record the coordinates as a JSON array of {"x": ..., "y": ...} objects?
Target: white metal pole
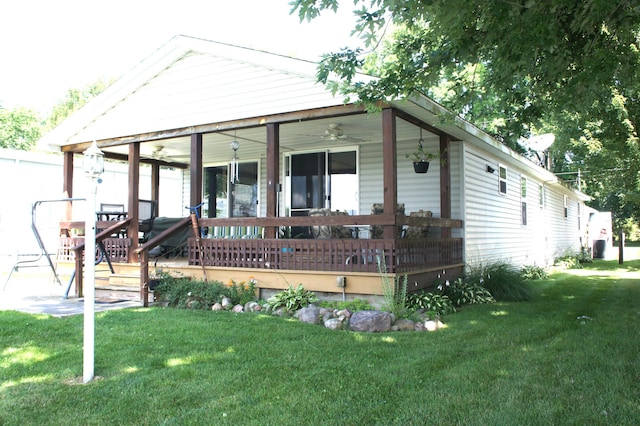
[{"x": 90, "y": 282}]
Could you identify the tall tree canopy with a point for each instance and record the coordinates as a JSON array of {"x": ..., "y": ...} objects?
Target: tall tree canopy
[
  {"x": 513, "y": 68},
  {"x": 74, "y": 100},
  {"x": 20, "y": 128}
]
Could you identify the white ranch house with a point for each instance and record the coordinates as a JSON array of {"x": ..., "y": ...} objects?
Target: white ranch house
[{"x": 302, "y": 154}]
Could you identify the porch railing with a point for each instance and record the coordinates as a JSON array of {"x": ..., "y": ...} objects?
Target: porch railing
[{"x": 352, "y": 255}]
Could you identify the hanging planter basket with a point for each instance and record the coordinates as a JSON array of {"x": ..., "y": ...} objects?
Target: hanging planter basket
[{"x": 421, "y": 166}]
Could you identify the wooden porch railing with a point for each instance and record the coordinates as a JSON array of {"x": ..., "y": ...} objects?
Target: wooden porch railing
[
  {"x": 354, "y": 255},
  {"x": 110, "y": 228},
  {"x": 143, "y": 255}
]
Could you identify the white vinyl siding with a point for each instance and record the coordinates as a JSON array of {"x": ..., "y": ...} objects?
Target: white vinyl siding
[
  {"x": 493, "y": 222},
  {"x": 225, "y": 89}
]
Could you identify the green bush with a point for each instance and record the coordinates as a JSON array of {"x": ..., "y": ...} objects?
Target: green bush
[
  {"x": 439, "y": 304},
  {"x": 533, "y": 272},
  {"x": 503, "y": 280},
  {"x": 193, "y": 294},
  {"x": 241, "y": 292},
  {"x": 466, "y": 293},
  {"x": 291, "y": 299},
  {"x": 352, "y": 305}
]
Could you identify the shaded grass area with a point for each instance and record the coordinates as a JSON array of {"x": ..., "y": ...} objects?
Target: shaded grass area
[{"x": 504, "y": 363}]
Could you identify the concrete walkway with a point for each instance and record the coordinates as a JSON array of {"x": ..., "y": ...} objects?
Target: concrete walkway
[{"x": 35, "y": 291}]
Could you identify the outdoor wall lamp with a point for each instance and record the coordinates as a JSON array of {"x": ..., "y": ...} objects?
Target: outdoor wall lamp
[
  {"x": 93, "y": 161},
  {"x": 490, "y": 169}
]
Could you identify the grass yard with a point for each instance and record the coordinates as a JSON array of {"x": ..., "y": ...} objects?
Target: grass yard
[{"x": 570, "y": 356}]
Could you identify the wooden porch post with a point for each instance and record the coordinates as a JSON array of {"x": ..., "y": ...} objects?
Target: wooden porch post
[
  {"x": 195, "y": 194},
  {"x": 273, "y": 166},
  {"x": 134, "y": 196},
  {"x": 67, "y": 183},
  {"x": 445, "y": 181},
  {"x": 155, "y": 186},
  {"x": 390, "y": 169}
]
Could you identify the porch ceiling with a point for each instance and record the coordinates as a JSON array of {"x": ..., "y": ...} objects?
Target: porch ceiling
[{"x": 359, "y": 129}]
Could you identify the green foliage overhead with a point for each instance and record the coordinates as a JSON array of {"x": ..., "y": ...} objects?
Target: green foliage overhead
[
  {"x": 20, "y": 128},
  {"x": 73, "y": 101},
  {"x": 532, "y": 55},
  {"x": 514, "y": 69}
]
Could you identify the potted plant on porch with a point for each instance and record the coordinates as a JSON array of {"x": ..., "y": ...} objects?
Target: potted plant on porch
[{"x": 421, "y": 157}]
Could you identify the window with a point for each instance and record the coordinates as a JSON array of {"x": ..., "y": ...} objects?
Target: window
[
  {"x": 524, "y": 213},
  {"x": 566, "y": 208},
  {"x": 541, "y": 195},
  {"x": 226, "y": 199},
  {"x": 502, "y": 177}
]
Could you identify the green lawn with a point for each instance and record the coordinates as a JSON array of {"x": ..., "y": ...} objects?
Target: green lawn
[{"x": 532, "y": 363}]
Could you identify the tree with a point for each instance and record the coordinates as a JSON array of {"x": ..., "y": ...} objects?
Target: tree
[
  {"x": 20, "y": 128},
  {"x": 513, "y": 68},
  {"x": 73, "y": 101}
]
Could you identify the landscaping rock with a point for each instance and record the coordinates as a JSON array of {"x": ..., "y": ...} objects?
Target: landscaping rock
[
  {"x": 237, "y": 309},
  {"x": 333, "y": 324},
  {"x": 327, "y": 316},
  {"x": 343, "y": 313},
  {"x": 226, "y": 303},
  {"x": 309, "y": 314},
  {"x": 419, "y": 326},
  {"x": 370, "y": 321},
  {"x": 217, "y": 307},
  {"x": 252, "y": 307},
  {"x": 403, "y": 325},
  {"x": 432, "y": 325}
]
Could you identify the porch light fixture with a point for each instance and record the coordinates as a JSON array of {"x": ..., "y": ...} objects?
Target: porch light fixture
[
  {"x": 234, "y": 175},
  {"x": 93, "y": 162},
  {"x": 93, "y": 165}
]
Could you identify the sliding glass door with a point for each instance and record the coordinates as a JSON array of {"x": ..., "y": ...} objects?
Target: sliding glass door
[{"x": 325, "y": 179}]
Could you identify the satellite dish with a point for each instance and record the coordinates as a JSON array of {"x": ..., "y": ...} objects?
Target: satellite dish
[{"x": 539, "y": 143}]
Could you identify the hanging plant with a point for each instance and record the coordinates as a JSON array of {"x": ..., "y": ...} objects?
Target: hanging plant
[{"x": 421, "y": 157}]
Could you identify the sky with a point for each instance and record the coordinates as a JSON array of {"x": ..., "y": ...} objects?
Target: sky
[{"x": 50, "y": 46}]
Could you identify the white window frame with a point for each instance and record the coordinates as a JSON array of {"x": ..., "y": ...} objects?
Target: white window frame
[{"x": 502, "y": 180}]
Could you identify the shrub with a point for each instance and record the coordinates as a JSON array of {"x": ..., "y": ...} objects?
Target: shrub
[
  {"x": 533, "y": 272},
  {"x": 439, "y": 304},
  {"x": 241, "y": 292},
  {"x": 291, "y": 299},
  {"x": 465, "y": 293},
  {"x": 503, "y": 280},
  {"x": 193, "y": 294},
  {"x": 352, "y": 305}
]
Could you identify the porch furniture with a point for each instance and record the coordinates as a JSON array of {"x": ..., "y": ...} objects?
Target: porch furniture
[
  {"x": 173, "y": 246},
  {"x": 111, "y": 211},
  {"x": 147, "y": 212},
  {"x": 377, "y": 209},
  {"x": 328, "y": 231},
  {"x": 242, "y": 232},
  {"x": 417, "y": 231}
]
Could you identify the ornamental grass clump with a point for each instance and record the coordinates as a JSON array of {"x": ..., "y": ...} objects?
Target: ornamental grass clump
[{"x": 503, "y": 280}]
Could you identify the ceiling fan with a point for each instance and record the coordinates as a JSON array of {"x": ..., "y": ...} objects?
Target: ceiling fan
[
  {"x": 335, "y": 133},
  {"x": 160, "y": 153}
]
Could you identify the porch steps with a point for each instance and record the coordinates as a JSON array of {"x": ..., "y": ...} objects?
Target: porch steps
[{"x": 118, "y": 286}]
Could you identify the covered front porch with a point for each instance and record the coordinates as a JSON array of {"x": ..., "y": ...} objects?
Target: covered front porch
[{"x": 421, "y": 246}]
